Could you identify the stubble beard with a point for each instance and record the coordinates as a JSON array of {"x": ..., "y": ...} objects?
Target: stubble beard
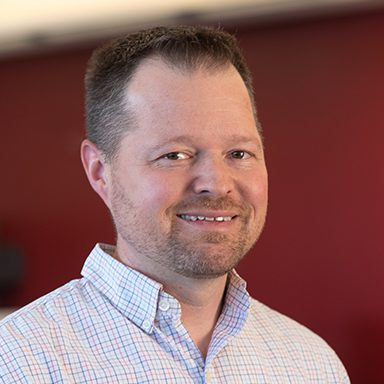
[{"x": 207, "y": 255}]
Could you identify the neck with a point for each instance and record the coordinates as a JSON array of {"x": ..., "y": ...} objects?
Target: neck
[
  {"x": 201, "y": 305},
  {"x": 200, "y": 299}
]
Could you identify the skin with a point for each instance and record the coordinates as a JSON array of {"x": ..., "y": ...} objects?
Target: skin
[{"x": 195, "y": 151}]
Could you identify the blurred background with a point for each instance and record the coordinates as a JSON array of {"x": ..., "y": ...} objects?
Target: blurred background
[{"x": 318, "y": 70}]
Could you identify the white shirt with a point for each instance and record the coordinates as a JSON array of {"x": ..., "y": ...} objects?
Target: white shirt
[{"x": 116, "y": 325}]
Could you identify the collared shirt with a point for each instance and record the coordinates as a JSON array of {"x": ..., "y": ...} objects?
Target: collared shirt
[{"x": 116, "y": 325}]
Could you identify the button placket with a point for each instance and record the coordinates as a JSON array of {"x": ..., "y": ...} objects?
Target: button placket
[{"x": 210, "y": 376}]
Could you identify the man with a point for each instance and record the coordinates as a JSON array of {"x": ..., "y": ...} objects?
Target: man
[{"x": 175, "y": 152}]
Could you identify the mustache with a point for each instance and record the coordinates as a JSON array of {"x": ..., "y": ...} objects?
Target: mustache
[{"x": 205, "y": 202}]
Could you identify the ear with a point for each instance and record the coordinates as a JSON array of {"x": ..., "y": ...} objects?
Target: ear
[{"x": 96, "y": 169}]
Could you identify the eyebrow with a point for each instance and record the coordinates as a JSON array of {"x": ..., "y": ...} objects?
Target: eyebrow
[
  {"x": 243, "y": 139},
  {"x": 176, "y": 140},
  {"x": 188, "y": 139}
]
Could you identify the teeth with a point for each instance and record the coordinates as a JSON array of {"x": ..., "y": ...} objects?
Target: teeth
[{"x": 205, "y": 218}]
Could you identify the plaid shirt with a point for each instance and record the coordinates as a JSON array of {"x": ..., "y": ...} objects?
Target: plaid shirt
[{"x": 116, "y": 325}]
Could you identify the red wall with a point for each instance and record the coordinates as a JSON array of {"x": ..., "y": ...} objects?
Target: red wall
[{"x": 320, "y": 92}]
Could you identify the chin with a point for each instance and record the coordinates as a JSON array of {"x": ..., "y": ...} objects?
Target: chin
[{"x": 205, "y": 264}]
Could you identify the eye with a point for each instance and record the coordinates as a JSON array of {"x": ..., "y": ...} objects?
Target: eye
[
  {"x": 239, "y": 155},
  {"x": 176, "y": 156}
]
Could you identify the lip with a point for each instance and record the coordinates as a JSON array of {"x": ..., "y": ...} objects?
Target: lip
[
  {"x": 223, "y": 223},
  {"x": 209, "y": 213}
]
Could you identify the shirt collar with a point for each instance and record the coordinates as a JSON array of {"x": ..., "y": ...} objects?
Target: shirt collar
[
  {"x": 132, "y": 293},
  {"x": 136, "y": 296}
]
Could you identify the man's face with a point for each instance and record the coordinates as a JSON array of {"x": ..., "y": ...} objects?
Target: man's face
[{"x": 188, "y": 190}]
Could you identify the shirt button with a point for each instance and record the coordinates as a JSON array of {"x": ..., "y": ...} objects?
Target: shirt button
[
  {"x": 164, "y": 305},
  {"x": 147, "y": 325}
]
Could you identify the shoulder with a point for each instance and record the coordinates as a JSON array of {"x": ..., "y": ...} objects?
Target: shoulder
[
  {"x": 25, "y": 334},
  {"x": 46, "y": 307},
  {"x": 287, "y": 340},
  {"x": 31, "y": 336},
  {"x": 37, "y": 319},
  {"x": 274, "y": 326},
  {"x": 279, "y": 325},
  {"x": 34, "y": 339}
]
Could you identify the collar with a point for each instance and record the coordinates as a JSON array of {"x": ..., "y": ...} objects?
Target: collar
[
  {"x": 138, "y": 297},
  {"x": 132, "y": 293}
]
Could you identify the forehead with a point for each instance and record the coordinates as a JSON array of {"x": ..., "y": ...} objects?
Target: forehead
[
  {"x": 158, "y": 85},
  {"x": 169, "y": 101}
]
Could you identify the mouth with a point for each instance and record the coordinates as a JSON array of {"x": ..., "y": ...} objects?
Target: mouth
[{"x": 206, "y": 218}]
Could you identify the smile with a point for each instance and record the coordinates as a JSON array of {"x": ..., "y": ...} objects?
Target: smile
[{"x": 206, "y": 218}]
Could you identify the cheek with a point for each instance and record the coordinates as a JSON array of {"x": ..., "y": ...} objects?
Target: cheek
[
  {"x": 257, "y": 190},
  {"x": 157, "y": 193}
]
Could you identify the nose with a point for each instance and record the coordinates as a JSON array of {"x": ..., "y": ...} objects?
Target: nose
[{"x": 213, "y": 176}]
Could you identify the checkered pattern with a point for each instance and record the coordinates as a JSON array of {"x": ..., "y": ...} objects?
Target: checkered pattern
[{"x": 115, "y": 325}]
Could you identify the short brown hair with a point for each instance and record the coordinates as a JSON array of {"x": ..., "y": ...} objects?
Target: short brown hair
[{"x": 112, "y": 65}]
